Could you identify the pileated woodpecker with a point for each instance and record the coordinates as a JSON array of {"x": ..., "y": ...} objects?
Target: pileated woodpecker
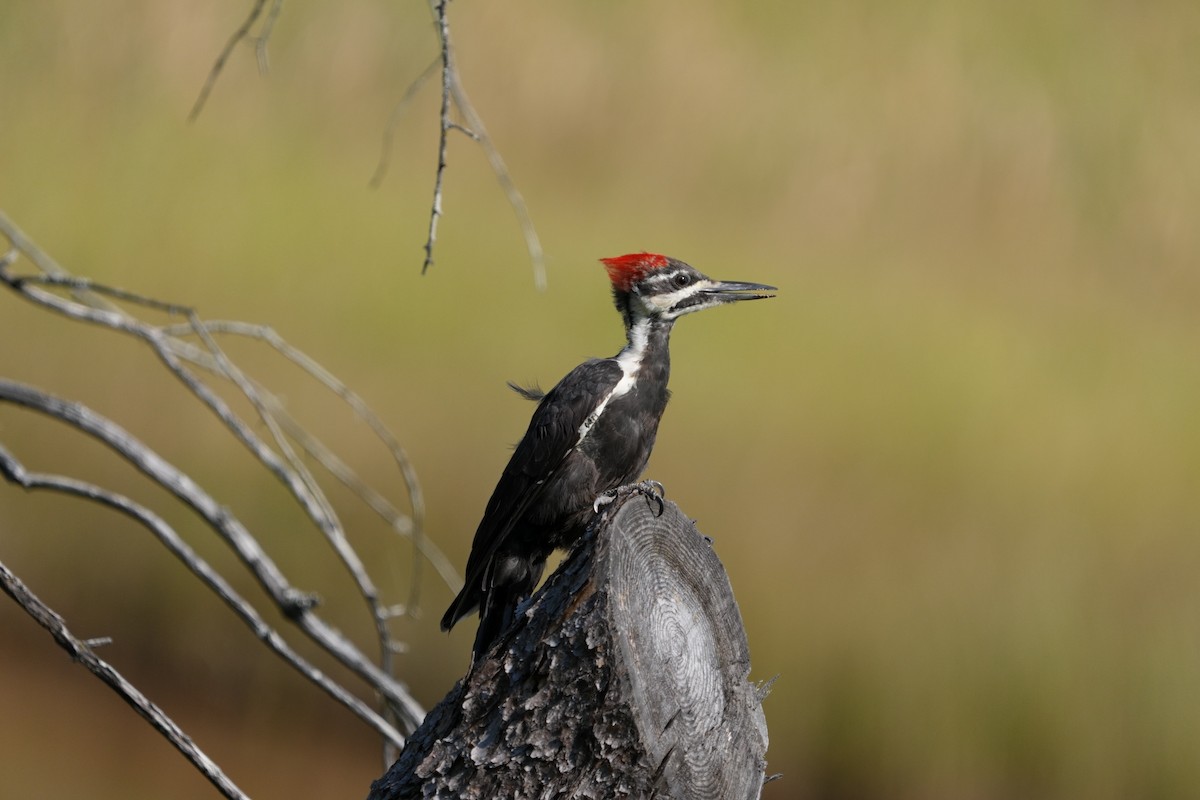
[{"x": 590, "y": 434}]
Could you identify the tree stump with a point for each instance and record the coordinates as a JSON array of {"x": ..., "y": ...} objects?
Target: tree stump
[{"x": 624, "y": 676}]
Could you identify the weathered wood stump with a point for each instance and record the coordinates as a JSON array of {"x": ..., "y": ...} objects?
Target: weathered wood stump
[{"x": 626, "y": 676}]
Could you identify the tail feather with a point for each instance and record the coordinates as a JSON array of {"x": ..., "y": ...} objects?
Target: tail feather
[
  {"x": 504, "y": 586},
  {"x": 533, "y": 393},
  {"x": 458, "y": 609},
  {"x": 493, "y": 622}
]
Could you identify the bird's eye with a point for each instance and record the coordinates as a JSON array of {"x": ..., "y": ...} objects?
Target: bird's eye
[{"x": 682, "y": 279}]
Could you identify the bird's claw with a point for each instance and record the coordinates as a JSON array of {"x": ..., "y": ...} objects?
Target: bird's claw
[
  {"x": 653, "y": 491},
  {"x": 604, "y": 500}
]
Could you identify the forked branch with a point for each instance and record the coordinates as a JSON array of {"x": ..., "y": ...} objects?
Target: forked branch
[
  {"x": 241, "y": 34},
  {"x": 453, "y": 100},
  {"x": 71, "y": 413},
  {"x": 185, "y": 348}
]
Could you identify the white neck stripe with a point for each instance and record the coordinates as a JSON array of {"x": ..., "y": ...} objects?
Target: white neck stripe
[{"x": 630, "y": 361}]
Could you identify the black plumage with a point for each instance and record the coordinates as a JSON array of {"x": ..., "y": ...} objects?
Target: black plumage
[{"x": 591, "y": 433}]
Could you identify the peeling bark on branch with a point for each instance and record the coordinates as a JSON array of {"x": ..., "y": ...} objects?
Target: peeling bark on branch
[{"x": 626, "y": 676}]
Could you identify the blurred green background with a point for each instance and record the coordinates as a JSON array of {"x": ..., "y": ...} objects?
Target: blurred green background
[{"x": 952, "y": 470}]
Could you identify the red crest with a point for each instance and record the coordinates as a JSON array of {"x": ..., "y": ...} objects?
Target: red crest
[{"x": 624, "y": 271}]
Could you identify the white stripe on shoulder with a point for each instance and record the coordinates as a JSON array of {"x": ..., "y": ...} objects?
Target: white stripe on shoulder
[{"x": 630, "y": 361}]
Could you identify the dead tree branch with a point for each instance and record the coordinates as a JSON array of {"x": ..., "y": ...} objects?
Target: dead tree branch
[
  {"x": 15, "y": 472},
  {"x": 185, "y": 348},
  {"x": 435, "y": 213},
  {"x": 455, "y": 97},
  {"x": 474, "y": 123},
  {"x": 241, "y": 34},
  {"x": 389, "y": 131},
  {"x": 82, "y": 652}
]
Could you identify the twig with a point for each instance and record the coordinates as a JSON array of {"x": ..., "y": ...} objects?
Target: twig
[
  {"x": 389, "y": 132},
  {"x": 321, "y": 509},
  {"x": 80, "y": 651},
  {"x": 264, "y": 35},
  {"x": 323, "y": 513},
  {"x": 454, "y": 96},
  {"x": 412, "y": 527},
  {"x": 167, "y": 347},
  {"x": 242, "y": 33},
  {"x": 270, "y": 407},
  {"x": 479, "y": 133},
  {"x": 20, "y": 244},
  {"x": 443, "y": 28},
  {"x": 295, "y": 605},
  {"x": 16, "y": 473}
]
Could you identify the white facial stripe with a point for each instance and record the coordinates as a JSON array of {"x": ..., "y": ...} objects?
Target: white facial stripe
[{"x": 664, "y": 302}]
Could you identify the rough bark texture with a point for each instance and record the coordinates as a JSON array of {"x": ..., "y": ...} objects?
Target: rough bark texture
[{"x": 626, "y": 676}]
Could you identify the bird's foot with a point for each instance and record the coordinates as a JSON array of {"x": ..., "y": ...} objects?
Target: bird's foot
[
  {"x": 604, "y": 500},
  {"x": 649, "y": 486},
  {"x": 652, "y": 490}
]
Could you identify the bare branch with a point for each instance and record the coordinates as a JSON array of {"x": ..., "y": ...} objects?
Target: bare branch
[
  {"x": 412, "y": 527},
  {"x": 242, "y": 33},
  {"x": 264, "y": 35},
  {"x": 16, "y": 473},
  {"x": 389, "y": 132},
  {"x": 81, "y": 651},
  {"x": 295, "y": 605},
  {"x": 321, "y": 510},
  {"x": 453, "y": 95},
  {"x": 191, "y": 352},
  {"x": 91, "y": 306},
  {"x": 463, "y": 129},
  {"x": 479, "y": 133},
  {"x": 443, "y": 28}
]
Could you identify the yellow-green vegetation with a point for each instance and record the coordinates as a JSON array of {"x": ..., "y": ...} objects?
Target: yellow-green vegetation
[{"x": 952, "y": 469}]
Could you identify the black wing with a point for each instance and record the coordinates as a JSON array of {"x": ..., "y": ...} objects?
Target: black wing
[{"x": 553, "y": 432}]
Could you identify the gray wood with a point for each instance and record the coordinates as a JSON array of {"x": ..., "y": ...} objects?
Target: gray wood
[{"x": 626, "y": 676}]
